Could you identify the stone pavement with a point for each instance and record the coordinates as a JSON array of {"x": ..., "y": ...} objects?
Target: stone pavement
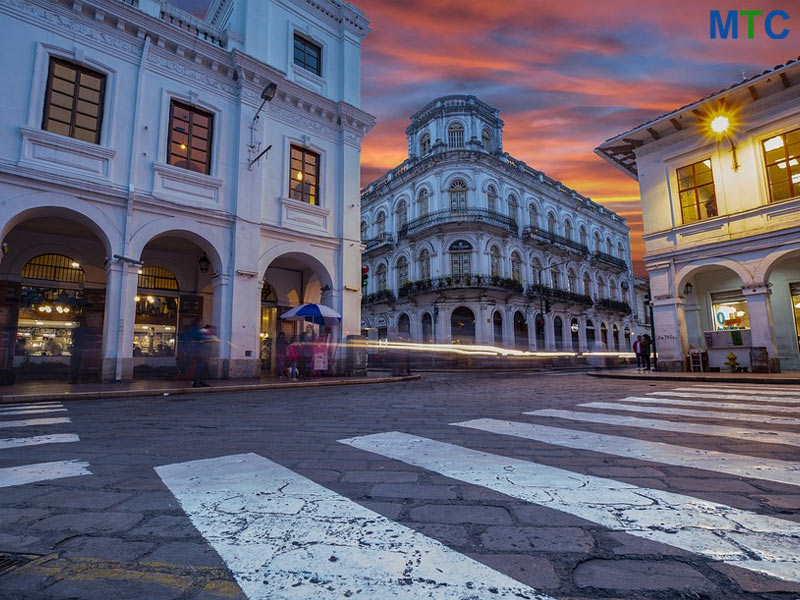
[{"x": 533, "y": 486}]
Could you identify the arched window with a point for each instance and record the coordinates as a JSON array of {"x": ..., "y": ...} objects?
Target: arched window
[
  {"x": 583, "y": 235},
  {"x": 620, "y": 250},
  {"x": 486, "y": 138},
  {"x": 520, "y": 330},
  {"x": 424, "y": 264},
  {"x": 427, "y": 328},
  {"x": 425, "y": 144},
  {"x": 612, "y": 287},
  {"x": 455, "y": 135},
  {"x": 460, "y": 258},
  {"x": 402, "y": 271},
  {"x": 590, "y": 334},
  {"x": 601, "y": 289},
  {"x": 380, "y": 277},
  {"x": 572, "y": 281},
  {"x": 604, "y": 335},
  {"x": 568, "y": 229},
  {"x": 609, "y": 247},
  {"x": 574, "y": 328},
  {"x": 458, "y": 195},
  {"x": 402, "y": 215},
  {"x": 587, "y": 285},
  {"x": 533, "y": 216},
  {"x": 551, "y": 223},
  {"x": 380, "y": 223},
  {"x": 558, "y": 332},
  {"x": 491, "y": 198},
  {"x": 615, "y": 336},
  {"x": 494, "y": 262},
  {"x": 422, "y": 203},
  {"x": 513, "y": 207},
  {"x": 462, "y": 326},
  {"x": 516, "y": 266},
  {"x": 497, "y": 327},
  {"x": 156, "y": 318},
  {"x": 555, "y": 278},
  {"x": 404, "y": 325},
  {"x": 53, "y": 267},
  {"x": 598, "y": 242},
  {"x": 363, "y": 231},
  {"x": 536, "y": 271}
]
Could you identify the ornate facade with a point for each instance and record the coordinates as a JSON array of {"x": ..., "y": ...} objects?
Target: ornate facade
[
  {"x": 157, "y": 168},
  {"x": 464, "y": 243}
]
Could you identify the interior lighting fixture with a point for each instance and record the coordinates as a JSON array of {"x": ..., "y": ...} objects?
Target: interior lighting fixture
[
  {"x": 138, "y": 298},
  {"x": 151, "y": 299},
  {"x": 75, "y": 265}
]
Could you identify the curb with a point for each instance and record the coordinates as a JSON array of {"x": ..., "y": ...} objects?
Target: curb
[
  {"x": 704, "y": 378},
  {"x": 9, "y": 398}
]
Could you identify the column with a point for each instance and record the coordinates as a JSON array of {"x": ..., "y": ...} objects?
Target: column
[
  {"x": 240, "y": 351},
  {"x": 116, "y": 350},
  {"x": 672, "y": 342},
  {"x": 531, "y": 316},
  {"x": 219, "y": 361},
  {"x": 483, "y": 325},
  {"x": 762, "y": 327},
  {"x": 583, "y": 345},
  {"x": 694, "y": 331}
]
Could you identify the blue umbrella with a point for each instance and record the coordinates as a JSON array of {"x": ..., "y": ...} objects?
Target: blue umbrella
[{"x": 318, "y": 314}]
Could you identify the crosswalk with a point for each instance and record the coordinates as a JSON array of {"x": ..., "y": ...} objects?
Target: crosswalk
[
  {"x": 285, "y": 536},
  {"x": 19, "y": 474}
]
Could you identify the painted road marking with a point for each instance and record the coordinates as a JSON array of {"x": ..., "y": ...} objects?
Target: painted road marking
[
  {"x": 737, "y": 537},
  {"x": 33, "y": 422},
  {"x": 42, "y": 472},
  {"x": 59, "y": 438},
  {"x": 285, "y": 537},
  {"x": 756, "y": 419},
  {"x": 761, "y": 408},
  {"x": 783, "y": 390},
  {"x": 31, "y": 405},
  {"x": 30, "y": 411},
  {"x": 738, "y": 433},
  {"x": 720, "y": 396},
  {"x": 681, "y": 456}
]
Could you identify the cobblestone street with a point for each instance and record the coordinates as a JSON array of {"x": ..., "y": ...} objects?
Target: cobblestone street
[{"x": 473, "y": 485}]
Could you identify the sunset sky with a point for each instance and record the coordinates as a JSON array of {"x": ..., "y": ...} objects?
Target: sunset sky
[{"x": 565, "y": 75}]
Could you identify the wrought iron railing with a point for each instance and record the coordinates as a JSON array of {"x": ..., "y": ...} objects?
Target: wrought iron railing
[
  {"x": 610, "y": 260},
  {"x": 537, "y": 235},
  {"x": 615, "y": 306},
  {"x": 450, "y": 217},
  {"x": 542, "y": 291},
  {"x": 378, "y": 297},
  {"x": 383, "y": 239},
  {"x": 451, "y": 282}
]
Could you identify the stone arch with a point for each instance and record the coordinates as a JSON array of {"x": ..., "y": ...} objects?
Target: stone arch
[
  {"x": 686, "y": 272},
  {"x": 322, "y": 266},
  {"x": 768, "y": 263},
  {"x": 208, "y": 239}
]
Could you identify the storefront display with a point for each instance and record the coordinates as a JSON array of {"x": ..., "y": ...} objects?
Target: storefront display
[
  {"x": 729, "y": 311},
  {"x": 47, "y": 317}
]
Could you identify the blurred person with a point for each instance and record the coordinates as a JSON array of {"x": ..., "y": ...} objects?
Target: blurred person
[
  {"x": 647, "y": 345},
  {"x": 293, "y": 357},
  {"x": 81, "y": 345},
  {"x": 281, "y": 346},
  {"x": 199, "y": 341},
  {"x": 638, "y": 349}
]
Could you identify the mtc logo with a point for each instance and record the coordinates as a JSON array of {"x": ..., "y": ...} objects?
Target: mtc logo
[{"x": 730, "y": 27}]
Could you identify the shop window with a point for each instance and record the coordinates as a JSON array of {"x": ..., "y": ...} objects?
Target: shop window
[
  {"x": 156, "y": 322},
  {"x": 729, "y": 310}
]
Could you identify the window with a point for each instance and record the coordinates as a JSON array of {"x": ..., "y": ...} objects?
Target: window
[
  {"x": 620, "y": 250},
  {"x": 587, "y": 285},
  {"x": 486, "y": 138},
  {"x": 363, "y": 231},
  {"x": 536, "y": 271},
  {"x": 516, "y": 267},
  {"x": 533, "y": 216},
  {"x": 609, "y": 247},
  {"x": 696, "y": 191},
  {"x": 555, "y": 277},
  {"x": 73, "y": 104},
  {"x": 568, "y": 229},
  {"x": 584, "y": 240},
  {"x": 189, "y": 137},
  {"x": 494, "y": 262},
  {"x": 491, "y": 197},
  {"x": 307, "y": 55},
  {"x": 381, "y": 223},
  {"x": 424, "y": 265},
  {"x": 53, "y": 267},
  {"x": 458, "y": 195},
  {"x": 455, "y": 135},
  {"x": 601, "y": 289},
  {"x": 156, "y": 320},
  {"x": 380, "y": 277},
  {"x": 460, "y": 258},
  {"x": 598, "y": 242},
  {"x": 572, "y": 281},
  {"x": 402, "y": 271},
  {"x": 783, "y": 170},
  {"x": 303, "y": 175},
  {"x": 157, "y": 278},
  {"x": 425, "y": 144},
  {"x": 551, "y": 223},
  {"x": 513, "y": 207},
  {"x": 422, "y": 203},
  {"x": 612, "y": 286},
  {"x": 402, "y": 215}
]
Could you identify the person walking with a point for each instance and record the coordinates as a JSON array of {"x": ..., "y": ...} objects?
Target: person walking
[
  {"x": 81, "y": 344},
  {"x": 638, "y": 349},
  {"x": 281, "y": 346},
  {"x": 198, "y": 341},
  {"x": 647, "y": 344},
  {"x": 293, "y": 357}
]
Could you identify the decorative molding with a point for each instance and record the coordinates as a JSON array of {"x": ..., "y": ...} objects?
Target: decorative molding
[
  {"x": 185, "y": 186},
  {"x": 304, "y": 216},
  {"x": 167, "y": 62},
  {"x": 47, "y": 151}
]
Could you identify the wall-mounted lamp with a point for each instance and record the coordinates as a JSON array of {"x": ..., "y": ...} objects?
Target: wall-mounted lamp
[
  {"x": 721, "y": 127},
  {"x": 267, "y": 94},
  {"x": 688, "y": 289},
  {"x": 203, "y": 263}
]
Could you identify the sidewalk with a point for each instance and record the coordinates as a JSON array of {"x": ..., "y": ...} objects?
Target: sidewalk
[
  {"x": 37, "y": 391},
  {"x": 787, "y": 378}
]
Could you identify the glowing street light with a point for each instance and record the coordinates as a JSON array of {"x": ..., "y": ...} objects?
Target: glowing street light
[{"x": 721, "y": 126}]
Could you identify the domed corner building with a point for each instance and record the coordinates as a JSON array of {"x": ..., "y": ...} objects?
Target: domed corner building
[{"x": 465, "y": 244}]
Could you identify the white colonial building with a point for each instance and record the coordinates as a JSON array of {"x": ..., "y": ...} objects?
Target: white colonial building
[
  {"x": 136, "y": 189},
  {"x": 720, "y": 189},
  {"x": 464, "y": 243}
]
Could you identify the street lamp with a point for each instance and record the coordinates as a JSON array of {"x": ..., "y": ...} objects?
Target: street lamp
[
  {"x": 721, "y": 126},
  {"x": 267, "y": 94},
  {"x": 687, "y": 291},
  {"x": 203, "y": 263}
]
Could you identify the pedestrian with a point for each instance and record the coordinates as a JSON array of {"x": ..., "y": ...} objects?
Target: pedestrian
[
  {"x": 293, "y": 357},
  {"x": 638, "y": 349},
  {"x": 281, "y": 345},
  {"x": 199, "y": 341},
  {"x": 81, "y": 344},
  {"x": 306, "y": 354},
  {"x": 647, "y": 344}
]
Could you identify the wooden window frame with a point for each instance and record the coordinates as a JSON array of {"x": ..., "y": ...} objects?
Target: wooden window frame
[
  {"x": 694, "y": 187},
  {"x": 210, "y": 140},
  {"x": 302, "y": 62},
  {"x": 794, "y": 189},
  {"x": 79, "y": 69},
  {"x": 305, "y": 195}
]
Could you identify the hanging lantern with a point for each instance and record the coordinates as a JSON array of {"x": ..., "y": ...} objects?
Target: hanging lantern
[{"x": 204, "y": 264}]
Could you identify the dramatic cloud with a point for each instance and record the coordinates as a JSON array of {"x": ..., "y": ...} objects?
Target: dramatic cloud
[{"x": 565, "y": 75}]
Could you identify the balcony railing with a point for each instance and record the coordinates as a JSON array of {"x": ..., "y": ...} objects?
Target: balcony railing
[
  {"x": 453, "y": 282},
  {"x": 537, "y": 235},
  {"x": 379, "y": 297},
  {"x": 384, "y": 239},
  {"x": 610, "y": 260},
  {"x": 614, "y": 306},
  {"x": 191, "y": 24},
  {"x": 542, "y": 291},
  {"x": 456, "y": 217}
]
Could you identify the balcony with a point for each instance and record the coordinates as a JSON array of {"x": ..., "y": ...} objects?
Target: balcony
[
  {"x": 460, "y": 282},
  {"x": 439, "y": 218},
  {"x": 609, "y": 260},
  {"x": 543, "y": 291},
  {"x": 379, "y": 297},
  {"x": 383, "y": 241},
  {"x": 614, "y": 306},
  {"x": 538, "y": 236}
]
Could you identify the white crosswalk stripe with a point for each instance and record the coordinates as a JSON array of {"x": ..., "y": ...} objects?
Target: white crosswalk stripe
[
  {"x": 34, "y": 422},
  {"x": 42, "y": 472},
  {"x": 758, "y": 408},
  {"x": 682, "y": 456},
  {"x": 19, "y": 405},
  {"x": 285, "y": 537},
  {"x": 30, "y": 411},
  {"x": 688, "y": 412},
  {"x": 738, "y": 433},
  {"x": 737, "y": 537},
  {"x": 58, "y": 438},
  {"x": 778, "y": 390},
  {"x": 725, "y": 396}
]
